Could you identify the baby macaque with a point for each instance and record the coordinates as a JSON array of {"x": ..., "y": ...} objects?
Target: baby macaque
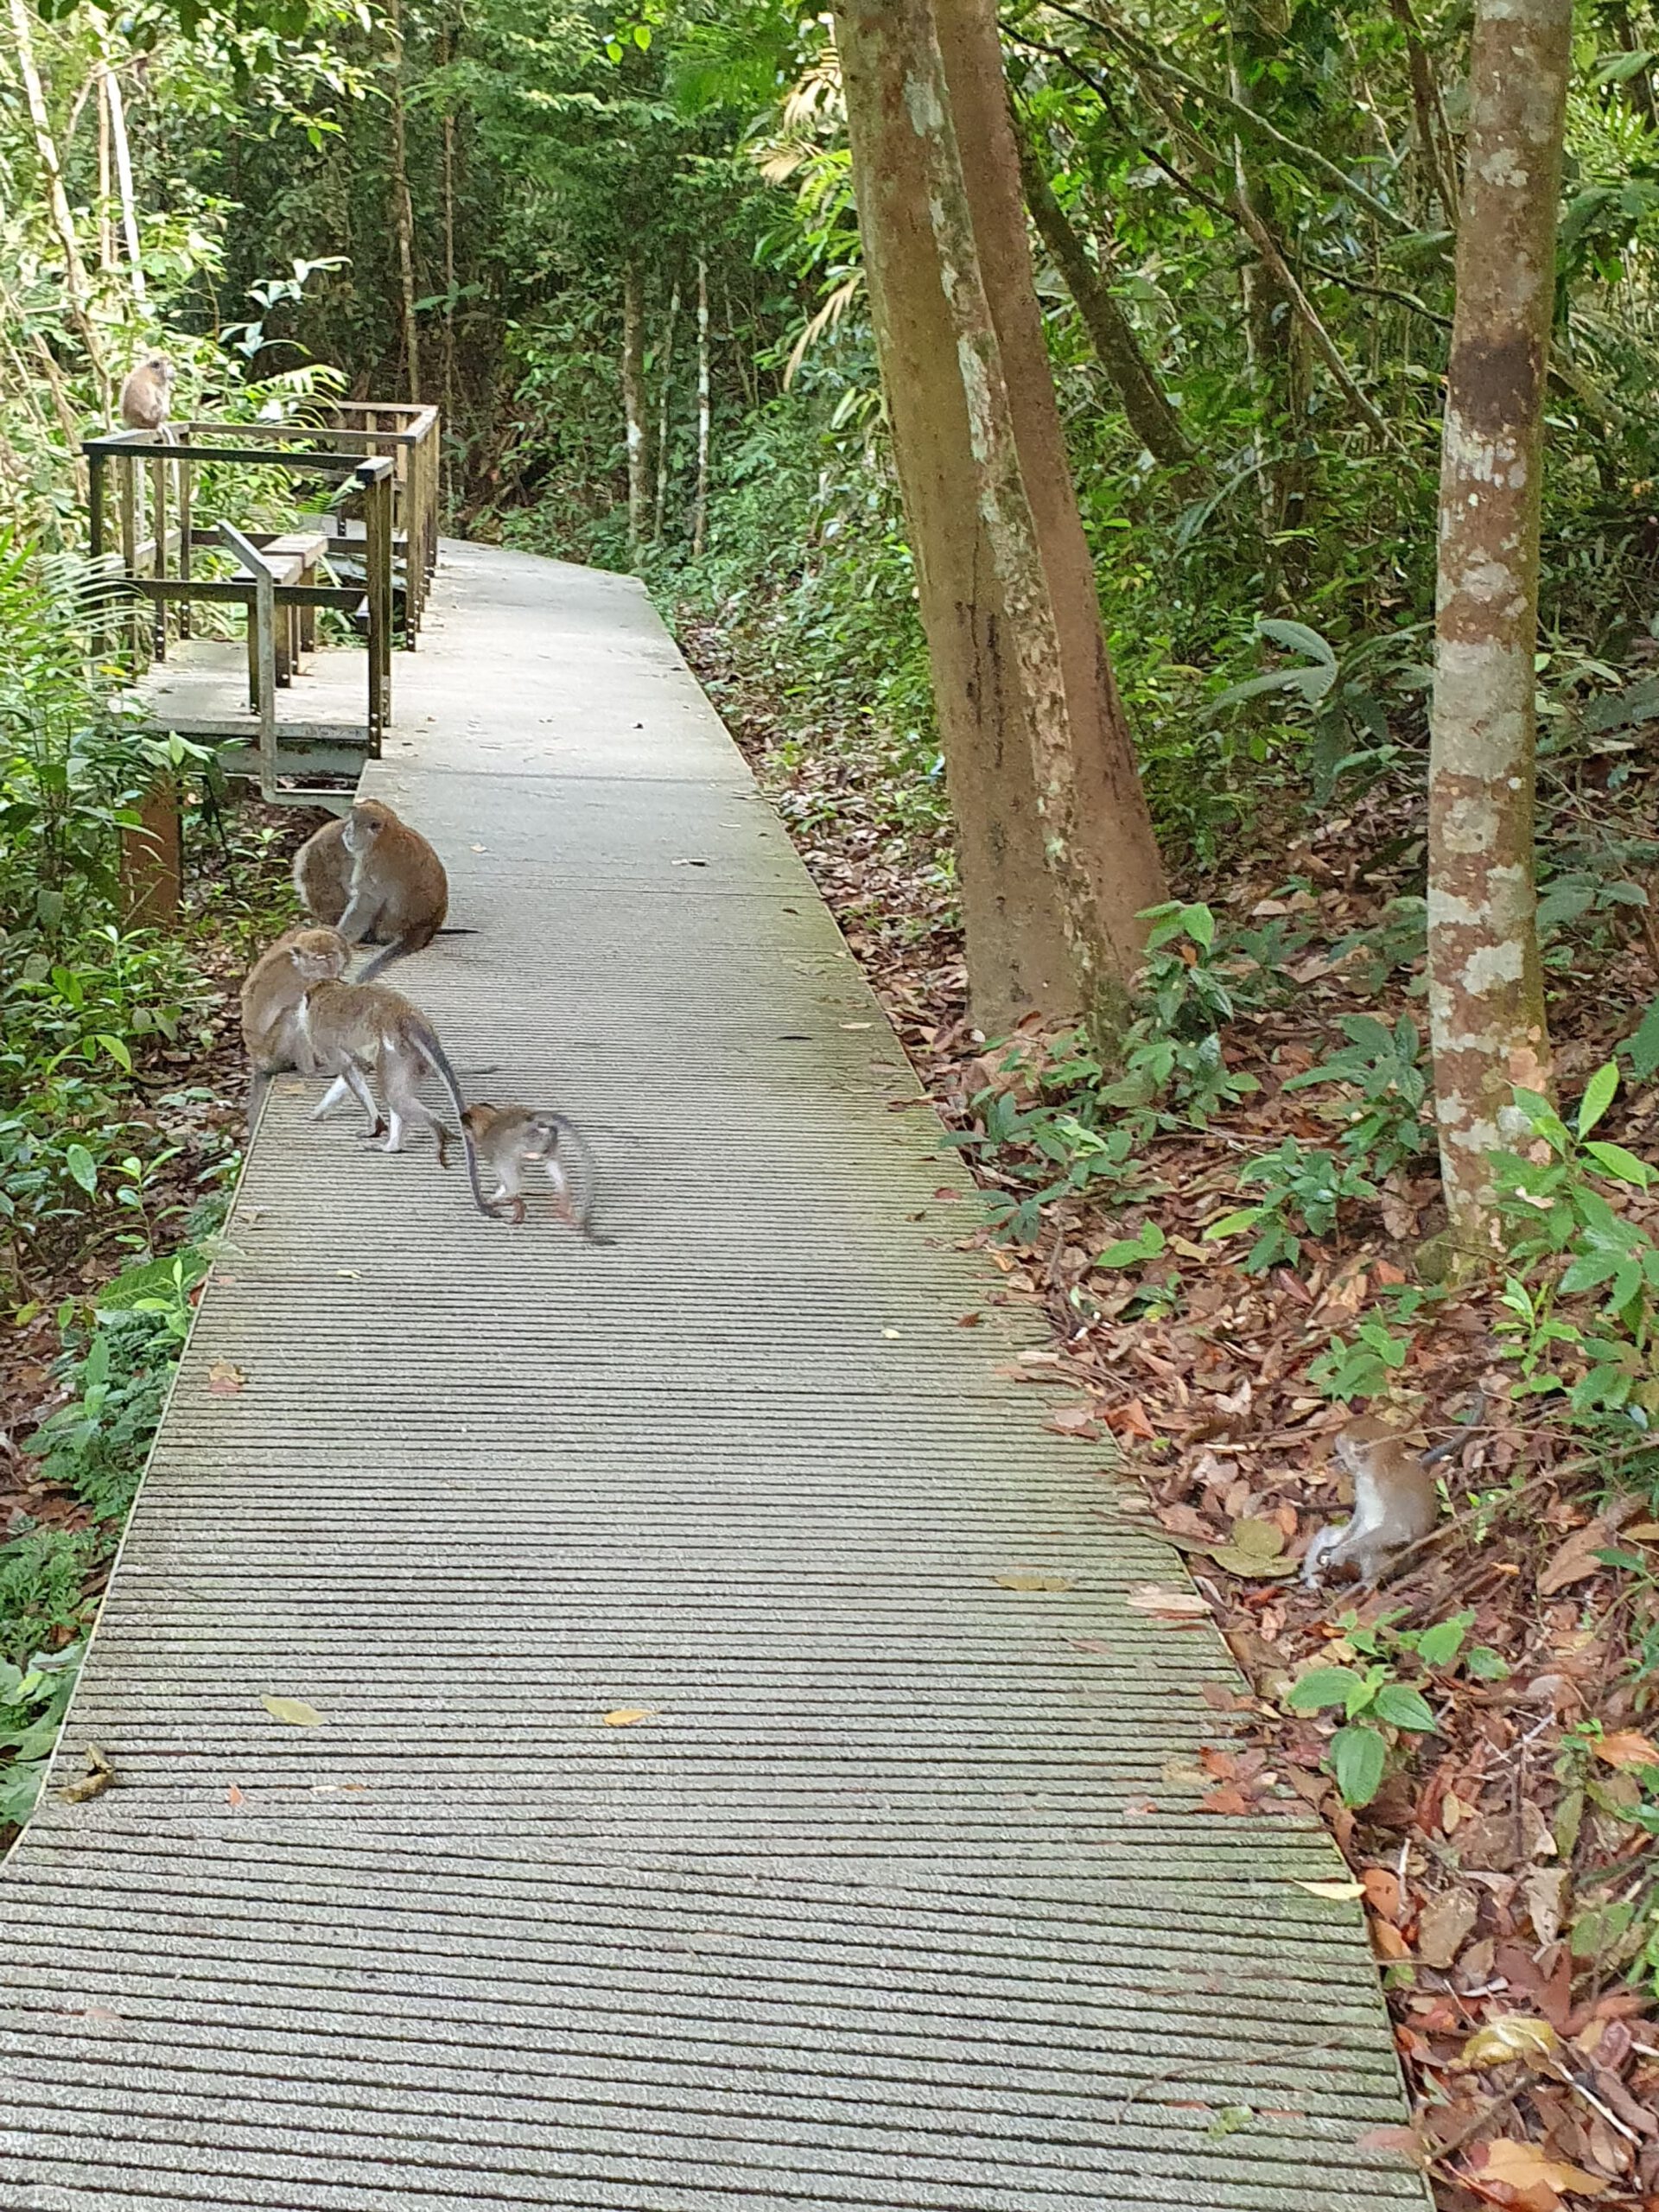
[
  {"x": 353, "y": 1031},
  {"x": 147, "y": 395},
  {"x": 395, "y": 889},
  {"x": 1394, "y": 1501},
  {"x": 511, "y": 1139},
  {"x": 273, "y": 1027}
]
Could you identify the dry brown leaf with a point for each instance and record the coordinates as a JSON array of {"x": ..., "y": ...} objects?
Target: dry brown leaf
[
  {"x": 1544, "y": 2180},
  {"x": 1575, "y": 1560},
  {"x": 1390, "y": 1943},
  {"x": 1229, "y": 1798},
  {"x": 1343, "y": 1892},
  {"x": 1381, "y": 1886},
  {"x": 1626, "y": 1747},
  {"x": 1164, "y": 1603},
  {"x": 224, "y": 1380},
  {"x": 1446, "y": 1926},
  {"x": 1030, "y": 1578},
  {"x": 625, "y": 1716},
  {"x": 1546, "y": 1893},
  {"x": 1071, "y": 1420},
  {"x": 1129, "y": 1419},
  {"x": 233, "y": 1797}
]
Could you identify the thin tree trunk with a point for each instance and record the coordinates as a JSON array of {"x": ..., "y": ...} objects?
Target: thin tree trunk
[
  {"x": 105, "y": 181},
  {"x": 402, "y": 208},
  {"x": 634, "y": 402},
  {"x": 123, "y": 179},
  {"x": 699, "y": 511},
  {"x": 1055, "y": 846},
  {"x": 1486, "y": 1004},
  {"x": 1152, "y": 418},
  {"x": 447, "y": 430},
  {"x": 665, "y": 383},
  {"x": 1433, "y": 139},
  {"x": 74, "y": 276}
]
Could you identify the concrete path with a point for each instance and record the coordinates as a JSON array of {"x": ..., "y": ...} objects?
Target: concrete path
[{"x": 897, "y": 1897}]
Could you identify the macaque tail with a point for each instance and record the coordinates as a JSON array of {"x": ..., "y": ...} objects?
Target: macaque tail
[
  {"x": 426, "y": 1043},
  {"x": 582, "y": 1213}
]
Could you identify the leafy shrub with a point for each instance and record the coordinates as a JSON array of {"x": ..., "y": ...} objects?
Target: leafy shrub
[
  {"x": 1305, "y": 1188},
  {"x": 1385, "y": 1127}
]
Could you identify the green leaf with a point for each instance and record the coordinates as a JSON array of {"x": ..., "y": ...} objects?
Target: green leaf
[
  {"x": 1129, "y": 1251},
  {"x": 117, "y": 1051},
  {"x": 1404, "y": 1707},
  {"x": 1322, "y": 1686},
  {"x": 642, "y": 36},
  {"x": 1358, "y": 1756},
  {"x": 83, "y": 1167},
  {"x": 1618, "y": 1162},
  {"x": 1485, "y": 1665},
  {"x": 1440, "y": 1645},
  {"x": 1597, "y": 1097},
  {"x": 1200, "y": 925},
  {"x": 1235, "y": 1224},
  {"x": 1297, "y": 638},
  {"x": 1644, "y": 1048}
]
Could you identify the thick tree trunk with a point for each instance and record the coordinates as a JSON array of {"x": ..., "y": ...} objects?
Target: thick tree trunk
[
  {"x": 634, "y": 404},
  {"x": 700, "y": 513},
  {"x": 1486, "y": 1002},
  {"x": 1152, "y": 418},
  {"x": 1055, "y": 847},
  {"x": 402, "y": 210}
]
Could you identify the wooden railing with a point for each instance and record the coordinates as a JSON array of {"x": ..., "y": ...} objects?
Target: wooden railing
[{"x": 158, "y": 566}]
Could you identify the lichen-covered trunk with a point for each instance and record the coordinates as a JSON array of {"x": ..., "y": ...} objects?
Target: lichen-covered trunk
[
  {"x": 1486, "y": 1002},
  {"x": 634, "y": 405},
  {"x": 1055, "y": 850}
]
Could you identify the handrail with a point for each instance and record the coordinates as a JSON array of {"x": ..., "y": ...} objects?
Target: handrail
[{"x": 264, "y": 616}]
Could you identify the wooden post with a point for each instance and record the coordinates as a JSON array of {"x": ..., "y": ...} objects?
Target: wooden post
[
  {"x": 158, "y": 558},
  {"x": 152, "y": 858},
  {"x": 95, "y": 464},
  {"x": 186, "y": 518},
  {"x": 129, "y": 500}
]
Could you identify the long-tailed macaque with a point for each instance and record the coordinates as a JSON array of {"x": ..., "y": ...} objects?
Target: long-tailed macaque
[
  {"x": 377, "y": 1045},
  {"x": 273, "y": 1027},
  {"x": 511, "y": 1139},
  {"x": 396, "y": 889},
  {"x": 1396, "y": 1502},
  {"x": 147, "y": 395}
]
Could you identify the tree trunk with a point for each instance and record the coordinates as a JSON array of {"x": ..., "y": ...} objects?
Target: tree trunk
[
  {"x": 1434, "y": 138},
  {"x": 447, "y": 430},
  {"x": 402, "y": 208},
  {"x": 1152, "y": 418},
  {"x": 1055, "y": 852},
  {"x": 1276, "y": 338},
  {"x": 665, "y": 388},
  {"x": 1486, "y": 1004},
  {"x": 105, "y": 181},
  {"x": 634, "y": 404},
  {"x": 74, "y": 276},
  {"x": 700, "y": 515},
  {"x": 117, "y": 115}
]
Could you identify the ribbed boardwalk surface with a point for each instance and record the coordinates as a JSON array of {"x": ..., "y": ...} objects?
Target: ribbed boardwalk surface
[{"x": 898, "y": 1899}]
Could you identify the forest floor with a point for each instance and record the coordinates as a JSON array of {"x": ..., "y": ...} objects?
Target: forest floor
[
  {"x": 182, "y": 1113},
  {"x": 1507, "y": 1860}
]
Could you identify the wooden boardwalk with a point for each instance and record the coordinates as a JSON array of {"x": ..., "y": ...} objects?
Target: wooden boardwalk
[{"x": 897, "y": 1897}]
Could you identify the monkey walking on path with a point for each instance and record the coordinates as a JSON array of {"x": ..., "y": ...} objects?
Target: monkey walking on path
[
  {"x": 511, "y": 1139},
  {"x": 352, "y": 1030}
]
